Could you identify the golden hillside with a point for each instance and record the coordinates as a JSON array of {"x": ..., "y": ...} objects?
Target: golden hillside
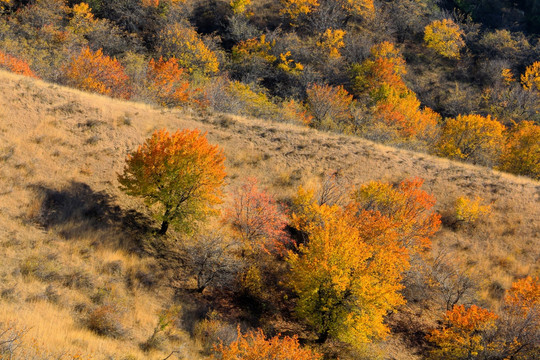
[{"x": 66, "y": 230}]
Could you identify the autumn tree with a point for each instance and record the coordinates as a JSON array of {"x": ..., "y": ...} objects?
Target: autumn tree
[
  {"x": 167, "y": 82},
  {"x": 324, "y": 14},
  {"x": 240, "y": 7},
  {"x": 256, "y": 346},
  {"x": 518, "y": 333},
  {"x": 404, "y": 114},
  {"x": 15, "y": 65},
  {"x": 82, "y": 21},
  {"x": 445, "y": 37},
  {"x": 394, "y": 107},
  {"x": 253, "y": 58},
  {"x": 186, "y": 45},
  {"x": 476, "y": 333},
  {"x": 257, "y": 218},
  {"x": 179, "y": 175},
  {"x": 94, "y": 71},
  {"x": 464, "y": 333},
  {"x": 531, "y": 78},
  {"x": 468, "y": 211},
  {"x": 329, "y": 106},
  {"x": 382, "y": 73},
  {"x": 474, "y": 138},
  {"x": 407, "y": 206},
  {"x": 521, "y": 154},
  {"x": 331, "y": 42},
  {"x": 347, "y": 273}
]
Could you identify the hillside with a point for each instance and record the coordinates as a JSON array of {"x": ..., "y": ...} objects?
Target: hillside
[{"x": 66, "y": 231}]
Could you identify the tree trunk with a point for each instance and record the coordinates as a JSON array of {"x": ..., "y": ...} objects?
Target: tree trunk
[
  {"x": 165, "y": 223},
  {"x": 164, "y": 227},
  {"x": 323, "y": 337}
]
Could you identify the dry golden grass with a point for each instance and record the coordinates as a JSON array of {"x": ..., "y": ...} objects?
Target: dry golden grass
[{"x": 62, "y": 141}]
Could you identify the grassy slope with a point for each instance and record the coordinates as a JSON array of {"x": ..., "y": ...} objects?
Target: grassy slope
[{"x": 60, "y": 141}]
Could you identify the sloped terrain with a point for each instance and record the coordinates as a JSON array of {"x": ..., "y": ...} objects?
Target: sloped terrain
[{"x": 66, "y": 231}]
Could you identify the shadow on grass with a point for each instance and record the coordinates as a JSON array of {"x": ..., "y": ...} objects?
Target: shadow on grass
[{"x": 76, "y": 211}]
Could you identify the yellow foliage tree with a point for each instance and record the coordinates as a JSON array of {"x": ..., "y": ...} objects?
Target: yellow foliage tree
[
  {"x": 240, "y": 6},
  {"x": 445, "y": 37},
  {"x": 346, "y": 282},
  {"x": 531, "y": 78},
  {"x": 289, "y": 65},
  {"x": 347, "y": 272},
  {"x": 82, "y": 21},
  {"x": 297, "y": 8},
  {"x": 474, "y": 138},
  {"x": 521, "y": 154},
  {"x": 331, "y": 41},
  {"x": 185, "y": 44},
  {"x": 256, "y": 47},
  {"x": 250, "y": 102}
]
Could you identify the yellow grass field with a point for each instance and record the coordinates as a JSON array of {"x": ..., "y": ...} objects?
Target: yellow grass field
[{"x": 59, "y": 143}]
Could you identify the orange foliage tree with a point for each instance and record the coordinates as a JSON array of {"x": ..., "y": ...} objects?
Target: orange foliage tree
[
  {"x": 94, "y": 71},
  {"x": 180, "y": 173},
  {"x": 257, "y": 218},
  {"x": 476, "y": 333},
  {"x": 166, "y": 82},
  {"x": 518, "y": 332},
  {"x": 404, "y": 114},
  {"x": 474, "y": 138},
  {"x": 408, "y": 206},
  {"x": 445, "y": 37},
  {"x": 394, "y": 104},
  {"x": 329, "y": 106},
  {"x": 463, "y": 336},
  {"x": 381, "y": 73},
  {"x": 521, "y": 154},
  {"x": 15, "y": 65},
  {"x": 255, "y": 346},
  {"x": 524, "y": 294}
]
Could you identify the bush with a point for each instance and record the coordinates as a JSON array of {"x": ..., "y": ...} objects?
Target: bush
[
  {"x": 469, "y": 211},
  {"x": 15, "y": 65},
  {"x": 255, "y": 345},
  {"x": 212, "y": 331},
  {"x": 521, "y": 154},
  {"x": 257, "y": 218},
  {"x": 445, "y": 37},
  {"x": 475, "y": 138},
  {"x": 93, "y": 71},
  {"x": 105, "y": 320}
]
